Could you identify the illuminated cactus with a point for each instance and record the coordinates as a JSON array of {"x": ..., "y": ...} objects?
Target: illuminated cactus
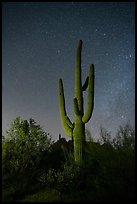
[{"x": 76, "y": 130}]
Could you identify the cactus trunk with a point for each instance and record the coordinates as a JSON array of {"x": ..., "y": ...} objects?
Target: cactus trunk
[
  {"x": 77, "y": 129},
  {"x": 79, "y": 139}
]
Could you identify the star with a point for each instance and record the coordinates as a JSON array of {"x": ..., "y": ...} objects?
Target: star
[
  {"x": 45, "y": 37},
  {"x": 58, "y": 51},
  {"x": 127, "y": 57}
]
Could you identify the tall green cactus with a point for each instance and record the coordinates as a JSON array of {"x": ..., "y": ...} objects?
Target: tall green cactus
[{"x": 76, "y": 130}]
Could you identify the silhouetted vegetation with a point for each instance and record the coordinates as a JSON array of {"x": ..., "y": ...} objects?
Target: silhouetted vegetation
[{"x": 35, "y": 168}]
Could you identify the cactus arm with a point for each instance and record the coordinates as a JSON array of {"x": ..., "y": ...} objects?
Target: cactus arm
[
  {"x": 78, "y": 84},
  {"x": 85, "y": 85},
  {"x": 64, "y": 118},
  {"x": 90, "y": 97},
  {"x": 68, "y": 121}
]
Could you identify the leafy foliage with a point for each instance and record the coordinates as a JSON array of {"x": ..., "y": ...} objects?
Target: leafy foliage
[
  {"x": 23, "y": 148},
  {"x": 125, "y": 138},
  {"x": 32, "y": 164}
]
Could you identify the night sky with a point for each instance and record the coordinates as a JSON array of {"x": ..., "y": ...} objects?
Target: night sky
[{"x": 39, "y": 42}]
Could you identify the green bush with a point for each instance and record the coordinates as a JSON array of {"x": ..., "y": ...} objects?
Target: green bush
[
  {"x": 23, "y": 148},
  {"x": 36, "y": 169}
]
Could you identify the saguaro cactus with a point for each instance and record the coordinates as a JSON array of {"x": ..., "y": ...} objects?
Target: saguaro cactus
[{"x": 77, "y": 129}]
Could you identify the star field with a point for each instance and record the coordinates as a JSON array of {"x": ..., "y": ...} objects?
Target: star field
[{"x": 39, "y": 43}]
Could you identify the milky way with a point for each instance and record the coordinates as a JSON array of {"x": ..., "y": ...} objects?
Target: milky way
[{"x": 39, "y": 43}]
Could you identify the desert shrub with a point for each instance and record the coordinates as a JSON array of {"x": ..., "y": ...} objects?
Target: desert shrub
[
  {"x": 23, "y": 148},
  {"x": 32, "y": 163},
  {"x": 125, "y": 138},
  {"x": 64, "y": 180}
]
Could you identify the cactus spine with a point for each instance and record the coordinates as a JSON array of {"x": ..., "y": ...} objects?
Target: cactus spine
[{"x": 76, "y": 130}]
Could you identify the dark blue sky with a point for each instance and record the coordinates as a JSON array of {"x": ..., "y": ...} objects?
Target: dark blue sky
[{"x": 39, "y": 42}]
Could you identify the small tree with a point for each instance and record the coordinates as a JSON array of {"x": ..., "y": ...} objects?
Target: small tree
[
  {"x": 105, "y": 136},
  {"x": 23, "y": 148},
  {"x": 125, "y": 138}
]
